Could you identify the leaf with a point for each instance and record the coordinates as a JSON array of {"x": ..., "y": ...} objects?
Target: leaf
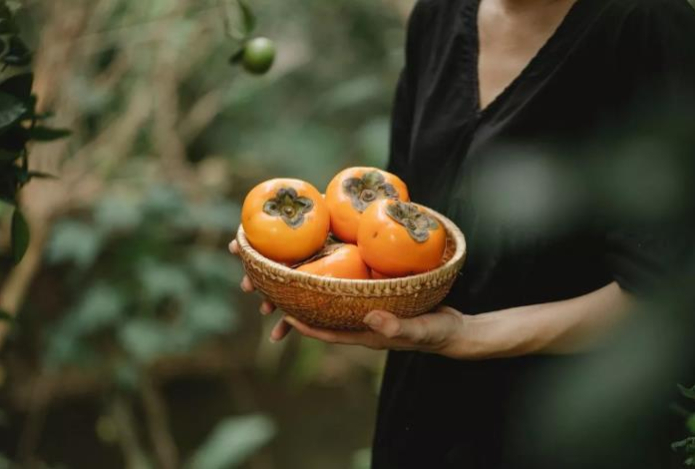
[
  {"x": 145, "y": 339},
  {"x": 18, "y": 86},
  {"x": 687, "y": 392},
  {"x": 161, "y": 280},
  {"x": 209, "y": 315},
  {"x": 249, "y": 19},
  {"x": 117, "y": 213},
  {"x": 687, "y": 443},
  {"x": 237, "y": 56},
  {"x": 14, "y": 139},
  {"x": 18, "y": 55},
  {"x": 20, "y": 236},
  {"x": 11, "y": 110},
  {"x": 232, "y": 441},
  {"x": 101, "y": 307},
  {"x": 40, "y": 175},
  {"x": 8, "y": 26},
  {"x": 6, "y": 317},
  {"x": 47, "y": 134},
  {"x": 9, "y": 155},
  {"x": 73, "y": 241},
  {"x": 691, "y": 424}
]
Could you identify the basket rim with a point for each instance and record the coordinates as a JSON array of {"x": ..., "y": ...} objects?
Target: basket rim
[{"x": 453, "y": 264}]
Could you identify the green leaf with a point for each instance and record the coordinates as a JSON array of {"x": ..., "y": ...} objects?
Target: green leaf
[
  {"x": 14, "y": 139},
  {"x": 101, "y": 307},
  {"x": 161, "y": 280},
  {"x": 18, "y": 86},
  {"x": 6, "y": 155},
  {"x": 117, "y": 213},
  {"x": 232, "y": 441},
  {"x": 145, "y": 339},
  {"x": 8, "y": 26},
  {"x": 680, "y": 444},
  {"x": 237, "y": 56},
  {"x": 5, "y": 12},
  {"x": 209, "y": 315},
  {"x": 20, "y": 236},
  {"x": 126, "y": 376},
  {"x": 249, "y": 19},
  {"x": 691, "y": 424},
  {"x": 73, "y": 241},
  {"x": 11, "y": 110},
  {"x": 40, "y": 175},
  {"x": 6, "y": 317},
  {"x": 687, "y": 392},
  {"x": 46, "y": 134},
  {"x": 18, "y": 55}
]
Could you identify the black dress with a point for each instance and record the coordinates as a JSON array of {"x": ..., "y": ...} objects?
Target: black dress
[{"x": 517, "y": 178}]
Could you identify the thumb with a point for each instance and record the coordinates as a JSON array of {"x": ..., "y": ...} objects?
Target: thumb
[{"x": 390, "y": 326}]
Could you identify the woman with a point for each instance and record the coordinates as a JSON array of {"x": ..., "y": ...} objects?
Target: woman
[{"x": 482, "y": 76}]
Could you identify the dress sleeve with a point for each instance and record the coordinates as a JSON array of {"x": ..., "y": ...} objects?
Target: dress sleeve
[
  {"x": 657, "y": 59},
  {"x": 403, "y": 110}
]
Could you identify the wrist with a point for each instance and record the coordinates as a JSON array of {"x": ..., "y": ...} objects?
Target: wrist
[{"x": 471, "y": 339}]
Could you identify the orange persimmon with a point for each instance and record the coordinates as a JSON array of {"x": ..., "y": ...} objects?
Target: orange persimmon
[
  {"x": 398, "y": 238},
  {"x": 286, "y": 220},
  {"x": 338, "y": 261},
  {"x": 350, "y": 193}
]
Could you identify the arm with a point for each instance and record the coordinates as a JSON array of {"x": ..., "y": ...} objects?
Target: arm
[{"x": 573, "y": 325}]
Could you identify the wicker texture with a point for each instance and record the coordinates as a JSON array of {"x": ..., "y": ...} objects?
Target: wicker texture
[{"x": 341, "y": 303}]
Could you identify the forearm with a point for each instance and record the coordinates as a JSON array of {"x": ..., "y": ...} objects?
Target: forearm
[{"x": 568, "y": 326}]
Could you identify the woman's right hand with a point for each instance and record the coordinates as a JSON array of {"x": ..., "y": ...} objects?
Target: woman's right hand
[{"x": 282, "y": 328}]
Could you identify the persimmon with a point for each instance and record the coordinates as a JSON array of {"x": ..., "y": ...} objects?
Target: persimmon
[
  {"x": 378, "y": 275},
  {"x": 350, "y": 193},
  {"x": 338, "y": 261},
  {"x": 398, "y": 238},
  {"x": 286, "y": 220}
]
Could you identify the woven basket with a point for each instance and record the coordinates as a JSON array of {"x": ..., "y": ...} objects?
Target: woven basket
[{"x": 342, "y": 304}]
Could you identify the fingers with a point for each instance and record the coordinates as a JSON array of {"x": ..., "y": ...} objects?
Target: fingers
[
  {"x": 366, "y": 339},
  {"x": 267, "y": 307},
  {"x": 234, "y": 247},
  {"x": 280, "y": 331},
  {"x": 320, "y": 334},
  {"x": 247, "y": 285},
  {"x": 391, "y": 327}
]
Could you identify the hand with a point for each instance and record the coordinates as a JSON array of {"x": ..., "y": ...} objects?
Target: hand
[
  {"x": 442, "y": 332},
  {"x": 282, "y": 328}
]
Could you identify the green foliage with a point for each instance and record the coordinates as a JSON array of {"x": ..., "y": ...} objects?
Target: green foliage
[
  {"x": 5, "y": 316},
  {"x": 18, "y": 126},
  {"x": 687, "y": 392},
  {"x": 232, "y": 441},
  {"x": 20, "y": 236},
  {"x": 687, "y": 445},
  {"x": 145, "y": 296}
]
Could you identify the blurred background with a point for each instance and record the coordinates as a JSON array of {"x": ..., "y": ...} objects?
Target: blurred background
[
  {"x": 133, "y": 346},
  {"x": 128, "y": 343}
]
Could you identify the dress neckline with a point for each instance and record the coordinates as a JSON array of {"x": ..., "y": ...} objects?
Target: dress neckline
[{"x": 472, "y": 47}]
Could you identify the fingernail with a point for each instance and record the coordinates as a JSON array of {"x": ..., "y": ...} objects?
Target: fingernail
[
  {"x": 265, "y": 309},
  {"x": 290, "y": 320},
  {"x": 273, "y": 340},
  {"x": 373, "y": 319}
]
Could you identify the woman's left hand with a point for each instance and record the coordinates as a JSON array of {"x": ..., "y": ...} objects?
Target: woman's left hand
[{"x": 439, "y": 332}]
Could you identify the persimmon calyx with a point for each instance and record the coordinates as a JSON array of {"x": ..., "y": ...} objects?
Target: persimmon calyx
[
  {"x": 289, "y": 206},
  {"x": 416, "y": 221},
  {"x": 368, "y": 188}
]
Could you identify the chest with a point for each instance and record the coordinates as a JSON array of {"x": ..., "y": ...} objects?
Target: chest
[{"x": 508, "y": 40}]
